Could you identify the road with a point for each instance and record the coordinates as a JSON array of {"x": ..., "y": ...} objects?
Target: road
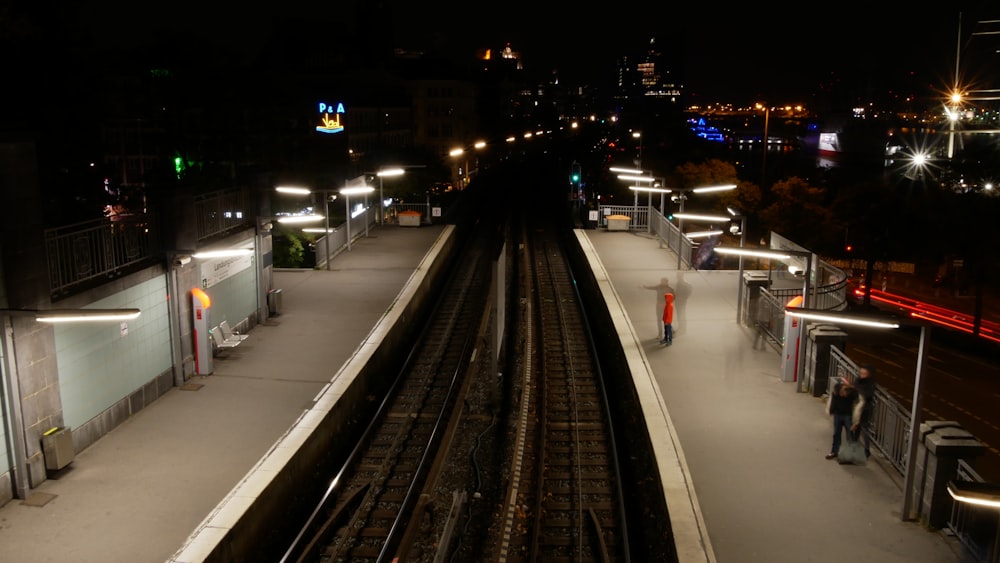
[{"x": 958, "y": 385}]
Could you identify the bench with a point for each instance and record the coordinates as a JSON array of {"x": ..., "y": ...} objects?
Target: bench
[
  {"x": 229, "y": 335},
  {"x": 220, "y": 342}
]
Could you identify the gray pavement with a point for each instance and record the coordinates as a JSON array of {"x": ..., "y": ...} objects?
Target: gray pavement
[{"x": 753, "y": 445}]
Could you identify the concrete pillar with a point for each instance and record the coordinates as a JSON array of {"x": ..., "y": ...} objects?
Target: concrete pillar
[
  {"x": 942, "y": 444},
  {"x": 821, "y": 337}
]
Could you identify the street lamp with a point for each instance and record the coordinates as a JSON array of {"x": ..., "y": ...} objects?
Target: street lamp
[
  {"x": 883, "y": 322},
  {"x": 637, "y": 135},
  {"x": 381, "y": 197},
  {"x": 11, "y": 378},
  {"x": 347, "y": 193}
]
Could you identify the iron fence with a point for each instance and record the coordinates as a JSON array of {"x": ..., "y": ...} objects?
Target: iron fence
[
  {"x": 977, "y": 527},
  {"x": 83, "y": 253},
  {"x": 217, "y": 213}
]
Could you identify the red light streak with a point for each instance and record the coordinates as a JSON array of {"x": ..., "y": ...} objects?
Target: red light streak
[{"x": 940, "y": 316}]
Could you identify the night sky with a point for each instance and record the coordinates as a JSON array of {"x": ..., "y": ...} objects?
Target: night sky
[{"x": 780, "y": 52}]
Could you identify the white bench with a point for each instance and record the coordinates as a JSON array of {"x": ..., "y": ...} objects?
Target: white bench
[
  {"x": 220, "y": 342},
  {"x": 230, "y": 335}
]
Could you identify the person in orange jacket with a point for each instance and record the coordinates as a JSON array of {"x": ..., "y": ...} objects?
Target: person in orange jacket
[{"x": 668, "y": 319}]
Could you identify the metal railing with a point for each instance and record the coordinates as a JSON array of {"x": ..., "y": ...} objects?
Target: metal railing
[
  {"x": 889, "y": 428},
  {"x": 977, "y": 527},
  {"x": 217, "y": 213},
  {"x": 79, "y": 255},
  {"x": 638, "y": 216}
]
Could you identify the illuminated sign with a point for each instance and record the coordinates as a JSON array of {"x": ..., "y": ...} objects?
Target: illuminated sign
[{"x": 330, "y": 124}]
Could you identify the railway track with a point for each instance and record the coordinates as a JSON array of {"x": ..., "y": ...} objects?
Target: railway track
[
  {"x": 478, "y": 455},
  {"x": 365, "y": 513},
  {"x": 565, "y": 501}
]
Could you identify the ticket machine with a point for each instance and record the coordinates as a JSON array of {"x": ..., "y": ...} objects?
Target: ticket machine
[
  {"x": 790, "y": 347},
  {"x": 201, "y": 308}
]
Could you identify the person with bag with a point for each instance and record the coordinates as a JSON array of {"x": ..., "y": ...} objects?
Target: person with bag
[
  {"x": 845, "y": 406},
  {"x": 865, "y": 384}
]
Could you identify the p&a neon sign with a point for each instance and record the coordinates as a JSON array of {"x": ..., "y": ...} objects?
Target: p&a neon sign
[{"x": 330, "y": 118}]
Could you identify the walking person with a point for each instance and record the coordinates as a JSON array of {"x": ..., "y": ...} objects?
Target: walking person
[
  {"x": 845, "y": 406},
  {"x": 668, "y": 319},
  {"x": 865, "y": 384}
]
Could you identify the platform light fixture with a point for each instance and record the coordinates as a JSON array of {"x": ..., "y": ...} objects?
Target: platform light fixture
[
  {"x": 972, "y": 492},
  {"x": 224, "y": 253},
  {"x": 11, "y": 377},
  {"x": 385, "y": 173}
]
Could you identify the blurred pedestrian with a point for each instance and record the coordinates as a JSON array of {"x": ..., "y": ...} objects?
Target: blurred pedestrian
[
  {"x": 661, "y": 289},
  {"x": 845, "y": 406},
  {"x": 865, "y": 383},
  {"x": 668, "y": 319}
]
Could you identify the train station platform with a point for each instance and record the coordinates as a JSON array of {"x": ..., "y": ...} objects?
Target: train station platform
[
  {"x": 751, "y": 447},
  {"x": 138, "y": 493}
]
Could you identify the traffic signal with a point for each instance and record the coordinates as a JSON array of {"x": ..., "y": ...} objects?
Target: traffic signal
[{"x": 574, "y": 174}]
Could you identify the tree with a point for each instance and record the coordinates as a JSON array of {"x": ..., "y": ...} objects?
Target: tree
[{"x": 800, "y": 212}]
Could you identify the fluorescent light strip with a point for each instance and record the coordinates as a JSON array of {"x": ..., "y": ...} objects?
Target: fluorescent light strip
[
  {"x": 292, "y": 219},
  {"x": 357, "y": 190},
  {"x": 791, "y": 312},
  {"x": 702, "y": 234},
  {"x": 227, "y": 253},
  {"x": 714, "y": 189},
  {"x": 696, "y": 217},
  {"x": 85, "y": 315}
]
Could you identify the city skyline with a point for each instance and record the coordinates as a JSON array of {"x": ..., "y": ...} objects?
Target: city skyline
[{"x": 776, "y": 54}]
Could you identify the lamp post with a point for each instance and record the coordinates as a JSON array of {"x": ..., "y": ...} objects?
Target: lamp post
[
  {"x": 883, "y": 322},
  {"x": 381, "y": 196},
  {"x": 455, "y": 153},
  {"x": 649, "y": 201},
  {"x": 739, "y": 279},
  {"x": 784, "y": 256},
  {"x": 637, "y": 135},
  {"x": 11, "y": 376},
  {"x": 347, "y": 193},
  {"x": 680, "y": 215},
  {"x": 633, "y": 175}
]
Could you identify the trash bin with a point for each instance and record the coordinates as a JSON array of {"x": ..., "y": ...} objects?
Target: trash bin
[
  {"x": 57, "y": 448},
  {"x": 274, "y": 302}
]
